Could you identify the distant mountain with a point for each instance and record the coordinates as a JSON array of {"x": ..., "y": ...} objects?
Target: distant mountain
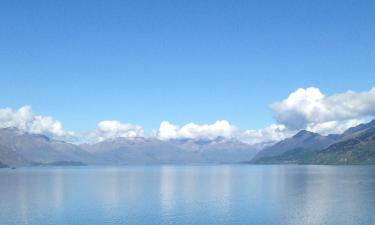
[
  {"x": 355, "y": 146},
  {"x": 2, "y": 165},
  {"x": 120, "y": 151},
  {"x": 155, "y": 151},
  {"x": 24, "y": 149},
  {"x": 10, "y": 157},
  {"x": 304, "y": 141}
]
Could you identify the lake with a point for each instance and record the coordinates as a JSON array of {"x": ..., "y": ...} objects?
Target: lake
[{"x": 192, "y": 195}]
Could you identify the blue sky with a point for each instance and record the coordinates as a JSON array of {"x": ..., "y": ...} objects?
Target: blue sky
[{"x": 143, "y": 62}]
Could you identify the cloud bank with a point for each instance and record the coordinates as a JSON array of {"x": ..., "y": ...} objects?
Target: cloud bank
[
  {"x": 306, "y": 109},
  {"x": 108, "y": 129},
  {"x": 309, "y": 107},
  {"x": 25, "y": 120},
  {"x": 221, "y": 128},
  {"x": 270, "y": 134}
]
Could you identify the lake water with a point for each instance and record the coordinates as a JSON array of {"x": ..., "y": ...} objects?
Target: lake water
[{"x": 196, "y": 195}]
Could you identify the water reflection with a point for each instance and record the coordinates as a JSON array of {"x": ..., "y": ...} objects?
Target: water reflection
[
  {"x": 167, "y": 191},
  {"x": 300, "y": 195}
]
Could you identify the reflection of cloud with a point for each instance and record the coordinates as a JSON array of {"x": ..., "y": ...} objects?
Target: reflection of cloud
[
  {"x": 313, "y": 205},
  {"x": 167, "y": 189},
  {"x": 117, "y": 186},
  {"x": 322, "y": 194},
  {"x": 221, "y": 186},
  {"x": 22, "y": 201},
  {"x": 110, "y": 188},
  {"x": 190, "y": 191},
  {"x": 36, "y": 191},
  {"x": 212, "y": 185},
  {"x": 58, "y": 188}
]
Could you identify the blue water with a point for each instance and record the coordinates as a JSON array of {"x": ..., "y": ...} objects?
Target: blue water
[{"x": 201, "y": 195}]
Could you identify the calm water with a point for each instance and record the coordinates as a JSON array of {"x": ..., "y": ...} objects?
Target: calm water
[{"x": 199, "y": 195}]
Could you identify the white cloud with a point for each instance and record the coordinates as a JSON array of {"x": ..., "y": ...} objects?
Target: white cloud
[
  {"x": 270, "y": 134},
  {"x": 333, "y": 127},
  {"x": 221, "y": 128},
  {"x": 25, "y": 120},
  {"x": 306, "y": 107},
  {"x": 112, "y": 129}
]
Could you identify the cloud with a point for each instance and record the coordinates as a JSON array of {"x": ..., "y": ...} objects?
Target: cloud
[
  {"x": 221, "y": 128},
  {"x": 307, "y": 107},
  {"x": 112, "y": 129},
  {"x": 333, "y": 127},
  {"x": 25, "y": 120},
  {"x": 270, "y": 134}
]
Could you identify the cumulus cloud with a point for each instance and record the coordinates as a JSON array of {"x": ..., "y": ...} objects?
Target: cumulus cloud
[
  {"x": 306, "y": 109},
  {"x": 25, "y": 120},
  {"x": 108, "y": 129},
  {"x": 333, "y": 127},
  {"x": 221, "y": 128},
  {"x": 309, "y": 107},
  {"x": 270, "y": 134}
]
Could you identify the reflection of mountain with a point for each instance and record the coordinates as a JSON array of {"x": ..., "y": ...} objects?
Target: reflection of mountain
[
  {"x": 22, "y": 149},
  {"x": 355, "y": 146}
]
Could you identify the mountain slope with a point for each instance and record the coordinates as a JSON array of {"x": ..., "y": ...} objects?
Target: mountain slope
[
  {"x": 354, "y": 146},
  {"x": 120, "y": 151},
  {"x": 21, "y": 149},
  {"x": 358, "y": 150},
  {"x": 10, "y": 157},
  {"x": 178, "y": 151},
  {"x": 2, "y": 165},
  {"x": 303, "y": 141}
]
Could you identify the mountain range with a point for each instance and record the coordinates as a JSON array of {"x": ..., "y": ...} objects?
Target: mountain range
[
  {"x": 19, "y": 148},
  {"x": 354, "y": 146}
]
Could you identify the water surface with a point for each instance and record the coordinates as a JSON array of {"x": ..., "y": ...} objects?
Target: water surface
[{"x": 199, "y": 195}]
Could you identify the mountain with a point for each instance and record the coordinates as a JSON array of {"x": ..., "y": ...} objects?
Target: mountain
[
  {"x": 120, "y": 151},
  {"x": 357, "y": 130},
  {"x": 2, "y": 165},
  {"x": 357, "y": 150},
  {"x": 19, "y": 148},
  {"x": 355, "y": 146},
  {"x": 22, "y": 149},
  {"x": 303, "y": 142},
  {"x": 180, "y": 151}
]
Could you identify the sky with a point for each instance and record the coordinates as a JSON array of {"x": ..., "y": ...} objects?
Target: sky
[{"x": 187, "y": 68}]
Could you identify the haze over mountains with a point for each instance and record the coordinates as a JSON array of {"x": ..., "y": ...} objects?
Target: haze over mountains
[
  {"x": 24, "y": 149},
  {"x": 355, "y": 146}
]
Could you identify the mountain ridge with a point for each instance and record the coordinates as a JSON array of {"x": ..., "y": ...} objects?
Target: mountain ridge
[
  {"x": 19, "y": 148},
  {"x": 302, "y": 140},
  {"x": 352, "y": 150},
  {"x": 353, "y": 146}
]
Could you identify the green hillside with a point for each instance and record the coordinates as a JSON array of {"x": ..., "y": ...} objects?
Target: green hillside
[{"x": 359, "y": 150}]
